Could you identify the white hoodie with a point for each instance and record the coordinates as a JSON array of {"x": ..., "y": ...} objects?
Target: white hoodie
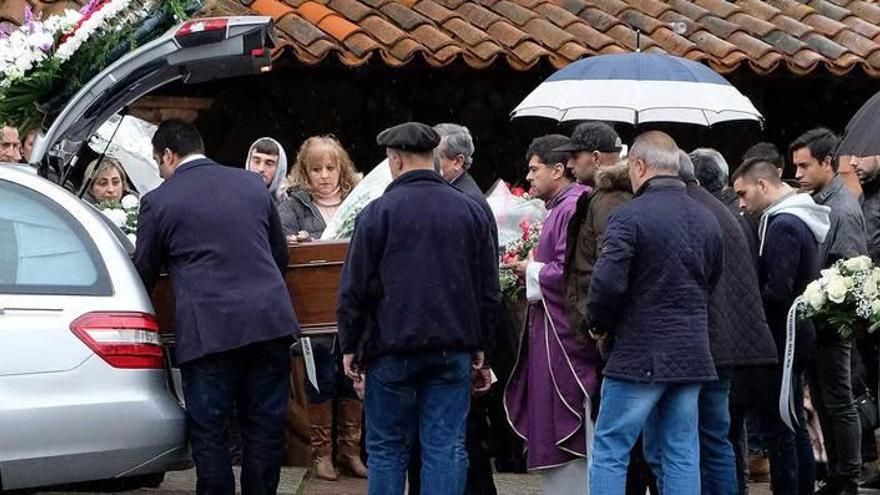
[
  {"x": 280, "y": 173},
  {"x": 801, "y": 206}
]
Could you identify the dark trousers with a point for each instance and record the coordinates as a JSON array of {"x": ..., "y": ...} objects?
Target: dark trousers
[
  {"x": 332, "y": 382},
  {"x": 831, "y": 391},
  {"x": 254, "y": 381},
  {"x": 739, "y": 440},
  {"x": 792, "y": 467}
]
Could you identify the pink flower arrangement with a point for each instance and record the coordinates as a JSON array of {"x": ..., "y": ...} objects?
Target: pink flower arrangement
[{"x": 513, "y": 285}]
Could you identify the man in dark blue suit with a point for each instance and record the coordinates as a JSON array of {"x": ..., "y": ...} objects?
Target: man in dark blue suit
[{"x": 217, "y": 232}]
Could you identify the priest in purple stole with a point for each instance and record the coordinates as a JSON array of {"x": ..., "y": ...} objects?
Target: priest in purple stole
[{"x": 548, "y": 395}]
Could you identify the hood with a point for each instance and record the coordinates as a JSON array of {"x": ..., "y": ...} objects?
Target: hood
[
  {"x": 275, "y": 188},
  {"x": 613, "y": 178},
  {"x": 802, "y": 206}
]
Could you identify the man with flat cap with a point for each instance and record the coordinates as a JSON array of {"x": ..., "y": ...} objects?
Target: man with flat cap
[{"x": 417, "y": 302}]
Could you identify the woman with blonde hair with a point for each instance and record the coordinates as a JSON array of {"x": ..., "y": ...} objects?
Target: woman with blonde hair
[
  {"x": 321, "y": 178},
  {"x": 104, "y": 180}
]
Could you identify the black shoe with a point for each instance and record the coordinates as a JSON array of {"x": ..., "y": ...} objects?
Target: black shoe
[
  {"x": 829, "y": 486},
  {"x": 872, "y": 482},
  {"x": 849, "y": 487}
]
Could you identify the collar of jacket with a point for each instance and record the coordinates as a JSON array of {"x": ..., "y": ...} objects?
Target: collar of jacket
[
  {"x": 661, "y": 182},
  {"x": 613, "y": 178},
  {"x": 832, "y": 189},
  {"x": 871, "y": 186},
  {"x": 193, "y": 164},
  {"x": 423, "y": 175}
]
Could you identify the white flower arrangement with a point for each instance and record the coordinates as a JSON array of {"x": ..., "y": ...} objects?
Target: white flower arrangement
[
  {"x": 847, "y": 293},
  {"x": 31, "y": 44},
  {"x": 123, "y": 214}
]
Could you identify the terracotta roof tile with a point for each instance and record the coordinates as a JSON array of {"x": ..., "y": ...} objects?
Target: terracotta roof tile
[
  {"x": 478, "y": 15},
  {"x": 599, "y": 19},
  {"x": 272, "y": 8},
  {"x": 432, "y": 37},
  {"x": 300, "y": 30},
  {"x": 406, "y": 18},
  {"x": 792, "y": 8},
  {"x": 830, "y": 10},
  {"x": 507, "y": 34},
  {"x": 519, "y": 15},
  {"x": 826, "y": 26},
  {"x": 557, "y": 15},
  {"x": 574, "y": 6},
  {"x": 759, "y": 9},
  {"x": 800, "y": 36},
  {"x": 689, "y": 9},
  {"x": 722, "y": 8},
  {"x": 613, "y": 7},
  {"x": 466, "y": 32},
  {"x": 691, "y": 26},
  {"x": 382, "y": 30},
  {"x": 653, "y": 8},
  {"x": 720, "y": 27},
  {"x": 351, "y": 9},
  {"x": 791, "y": 26},
  {"x": 862, "y": 27},
  {"x": 867, "y": 11},
  {"x": 673, "y": 43},
  {"x": 858, "y": 44},
  {"x": 591, "y": 37},
  {"x": 547, "y": 33},
  {"x": 434, "y": 11},
  {"x": 640, "y": 21},
  {"x": 753, "y": 25}
]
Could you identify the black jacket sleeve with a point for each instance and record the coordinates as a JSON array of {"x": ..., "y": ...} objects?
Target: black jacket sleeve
[{"x": 277, "y": 240}]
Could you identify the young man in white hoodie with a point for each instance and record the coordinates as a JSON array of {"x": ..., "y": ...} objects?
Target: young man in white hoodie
[
  {"x": 791, "y": 228},
  {"x": 267, "y": 158}
]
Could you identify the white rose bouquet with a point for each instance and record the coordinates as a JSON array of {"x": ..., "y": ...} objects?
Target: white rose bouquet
[
  {"x": 847, "y": 293},
  {"x": 123, "y": 214}
]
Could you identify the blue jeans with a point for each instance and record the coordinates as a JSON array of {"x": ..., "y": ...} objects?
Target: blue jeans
[
  {"x": 717, "y": 462},
  {"x": 624, "y": 413},
  {"x": 425, "y": 394},
  {"x": 254, "y": 380}
]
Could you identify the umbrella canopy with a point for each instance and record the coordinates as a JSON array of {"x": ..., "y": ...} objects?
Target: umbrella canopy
[
  {"x": 862, "y": 135},
  {"x": 637, "y": 88}
]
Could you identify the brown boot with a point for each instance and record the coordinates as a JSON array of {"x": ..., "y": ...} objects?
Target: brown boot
[
  {"x": 321, "y": 426},
  {"x": 349, "y": 438}
]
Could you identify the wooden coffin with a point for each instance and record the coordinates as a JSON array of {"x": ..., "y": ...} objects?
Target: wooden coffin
[{"x": 312, "y": 281}]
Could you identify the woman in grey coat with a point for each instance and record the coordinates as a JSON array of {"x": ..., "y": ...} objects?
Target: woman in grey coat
[
  {"x": 322, "y": 176},
  {"x": 319, "y": 181}
]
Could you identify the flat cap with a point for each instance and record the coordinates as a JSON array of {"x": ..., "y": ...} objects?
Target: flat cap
[{"x": 414, "y": 137}]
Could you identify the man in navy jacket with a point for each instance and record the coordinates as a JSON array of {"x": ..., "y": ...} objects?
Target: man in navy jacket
[
  {"x": 417, "y": 300},
  {"x": 215, "y": 229},
  {"x": 791, "y": 229}
]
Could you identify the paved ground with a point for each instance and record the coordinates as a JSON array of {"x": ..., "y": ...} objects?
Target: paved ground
[{"x": 295, "y": 481}]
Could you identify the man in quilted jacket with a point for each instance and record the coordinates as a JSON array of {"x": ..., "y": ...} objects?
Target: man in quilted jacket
[{"x": 661, "y": 257}]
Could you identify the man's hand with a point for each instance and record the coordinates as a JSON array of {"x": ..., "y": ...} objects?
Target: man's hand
[
  {"x": 351, "y": 369},
  {"x": 481, "y": 381},
  {"x": 359, "y": 387},
  {"x": 478, "y": 359}
]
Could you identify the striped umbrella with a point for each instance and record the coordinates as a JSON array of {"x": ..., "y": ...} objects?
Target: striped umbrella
[{"x": 637, "y": 88}]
